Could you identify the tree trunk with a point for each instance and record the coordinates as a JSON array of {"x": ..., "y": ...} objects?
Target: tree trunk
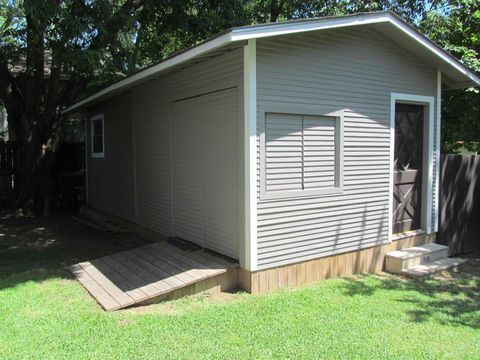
[
  {"x": 26, "y": 179},
  {"x": 37, "y": 158}
]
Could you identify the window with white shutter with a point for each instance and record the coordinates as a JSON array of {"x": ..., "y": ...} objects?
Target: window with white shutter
[{"x": 300, "y": 155}]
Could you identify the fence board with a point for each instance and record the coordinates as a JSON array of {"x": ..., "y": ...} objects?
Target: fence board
[
  {"x": 9, "y": 165},
  {"x": 459, "y": 226}
]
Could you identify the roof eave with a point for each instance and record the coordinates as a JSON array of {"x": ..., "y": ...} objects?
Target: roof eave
[
  {"x": 276, "y": 29},
  {"x": 130, "y": 81}
]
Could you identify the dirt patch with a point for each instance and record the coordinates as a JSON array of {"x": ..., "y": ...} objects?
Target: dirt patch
[
  {"x": 187, "y": 303},
  {"x": 221, "y": 297},
  {"x": 163, "y": 308},
  {"x": 467, "y": 271},
  {"x": 126, "y": 322}
]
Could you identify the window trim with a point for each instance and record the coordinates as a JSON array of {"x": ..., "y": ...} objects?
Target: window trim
[
  {"x": 339, "y": 145},
  {"x": 97, "y": 155},
  {"x": 428, "y": 102}
]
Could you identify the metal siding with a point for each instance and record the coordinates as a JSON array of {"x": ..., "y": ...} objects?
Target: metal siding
[
  {"x": 152, "y": 117},
  {"x": 188, "y": 177},
  {"x": 348, "y": 70},
  {"x": 110, "y": 179},
  {"x": 299, "y": 153},
  {"x": 283, "y": 152},
  {"x": 205, "y": 166},
  {"x": 222, "y": 176},
  {"x": 319, "y": 154}
]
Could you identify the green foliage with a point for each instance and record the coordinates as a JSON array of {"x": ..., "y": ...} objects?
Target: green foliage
[
  {"x": 82, "y": 35},
  {"x": 166, "y": 27},
  {"x": 158, "y": 29},
  {"x": 457, "y": 29}
]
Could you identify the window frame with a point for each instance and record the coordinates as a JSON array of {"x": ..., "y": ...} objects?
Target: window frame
[
  {"x": 339, "y": 145},
  {"x": 97, "y": 155}
]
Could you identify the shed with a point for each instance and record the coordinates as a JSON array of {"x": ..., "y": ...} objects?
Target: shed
[{"x": 294, "y": 148}]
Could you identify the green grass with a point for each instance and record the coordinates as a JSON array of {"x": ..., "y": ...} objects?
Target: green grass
[{"x": 44, "y": 313}]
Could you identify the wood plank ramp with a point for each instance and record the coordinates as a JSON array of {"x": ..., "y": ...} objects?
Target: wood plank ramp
[{"x": 152, "y": 272}]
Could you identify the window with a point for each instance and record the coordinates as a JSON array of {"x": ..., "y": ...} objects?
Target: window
[
  {"x": 98, "y": 145},
  {"x": 300, "y": 155}
]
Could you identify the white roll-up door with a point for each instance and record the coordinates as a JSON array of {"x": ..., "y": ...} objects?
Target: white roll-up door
[{"x": 205, "y": 170}]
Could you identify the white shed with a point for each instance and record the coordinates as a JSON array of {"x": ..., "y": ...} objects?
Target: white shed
[{"x": 302, "y": 149}]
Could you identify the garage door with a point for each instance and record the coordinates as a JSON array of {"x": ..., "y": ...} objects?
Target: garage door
[{"x": 205, "y": 170}]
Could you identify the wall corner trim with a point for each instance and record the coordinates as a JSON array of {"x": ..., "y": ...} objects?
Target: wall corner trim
[
  {"x": 250, "y": 152},
  {"x": 438, "y": 127}
]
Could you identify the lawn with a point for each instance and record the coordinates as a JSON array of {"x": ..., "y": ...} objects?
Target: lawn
[{"x": 44, "y": 313}]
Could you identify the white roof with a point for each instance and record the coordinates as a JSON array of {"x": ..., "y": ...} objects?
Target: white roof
[{"x": 455, "y": 74}]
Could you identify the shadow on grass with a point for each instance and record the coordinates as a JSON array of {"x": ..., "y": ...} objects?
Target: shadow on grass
[
  {"x": 36, "y": 249},
  {"x": 452, "y": 298}
]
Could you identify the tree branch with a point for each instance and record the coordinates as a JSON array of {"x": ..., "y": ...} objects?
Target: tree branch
[
  {"x": 114, "y": 24},
  {"x": 35, "y": 61},
  {"x": 54, "y": 85},
  {"x": 12, "y": 100}
]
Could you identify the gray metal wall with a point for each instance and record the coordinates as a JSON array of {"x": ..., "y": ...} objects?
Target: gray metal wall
[
  {"x": 350, "y": 70},
  {"x": 111, "y": 179}
]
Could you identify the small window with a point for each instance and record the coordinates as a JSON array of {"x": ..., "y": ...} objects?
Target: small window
[
  {"x": 98, "y": 145},
  {"x": 301, "y": 155}
]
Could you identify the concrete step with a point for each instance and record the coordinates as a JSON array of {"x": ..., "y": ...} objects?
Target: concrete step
[
  {"x": 420, "y": 271},
  {"x": 399, "y": 260}
]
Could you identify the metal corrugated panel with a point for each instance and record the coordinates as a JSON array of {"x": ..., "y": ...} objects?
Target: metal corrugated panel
[
  {"x": 110, "y": 179},
  {"x": 353, "y": 71},
  {"x": 152, "y": 118}
]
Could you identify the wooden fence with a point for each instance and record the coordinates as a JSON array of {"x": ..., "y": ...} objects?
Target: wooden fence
[
  {"x": 459, "y": 226},
  {"x": 9, "y": 165}
]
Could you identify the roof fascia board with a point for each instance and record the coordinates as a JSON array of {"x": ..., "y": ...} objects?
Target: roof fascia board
[
  {"x": 293, "y": 28},
  {"x": 175, "y": 60}
]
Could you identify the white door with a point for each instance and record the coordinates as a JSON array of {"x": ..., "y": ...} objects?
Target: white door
[{"x": 205, "y": 170}]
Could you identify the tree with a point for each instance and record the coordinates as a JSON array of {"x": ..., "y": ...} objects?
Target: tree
[
  {"x": 59, "y": 45},
  {"x": 457, "y": 29},
  {"x": 168, "y": 26},
  {"x": 69, "y": 48}
]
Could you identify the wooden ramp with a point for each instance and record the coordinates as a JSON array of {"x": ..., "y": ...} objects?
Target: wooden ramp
[{"x": 152, "y": 273}]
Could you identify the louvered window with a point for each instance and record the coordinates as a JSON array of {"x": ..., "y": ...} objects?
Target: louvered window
[{"x": 300, "y": 155}]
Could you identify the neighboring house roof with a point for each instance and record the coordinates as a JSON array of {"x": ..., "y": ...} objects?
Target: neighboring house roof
[
  {"x": 455, "y": 74},
  {"x": 19, "y": 67}
]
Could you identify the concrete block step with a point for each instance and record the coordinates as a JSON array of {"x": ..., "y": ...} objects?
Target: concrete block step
[
  {"x": 420, "y": 271},
  {"x": 398, "y": 260}
]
